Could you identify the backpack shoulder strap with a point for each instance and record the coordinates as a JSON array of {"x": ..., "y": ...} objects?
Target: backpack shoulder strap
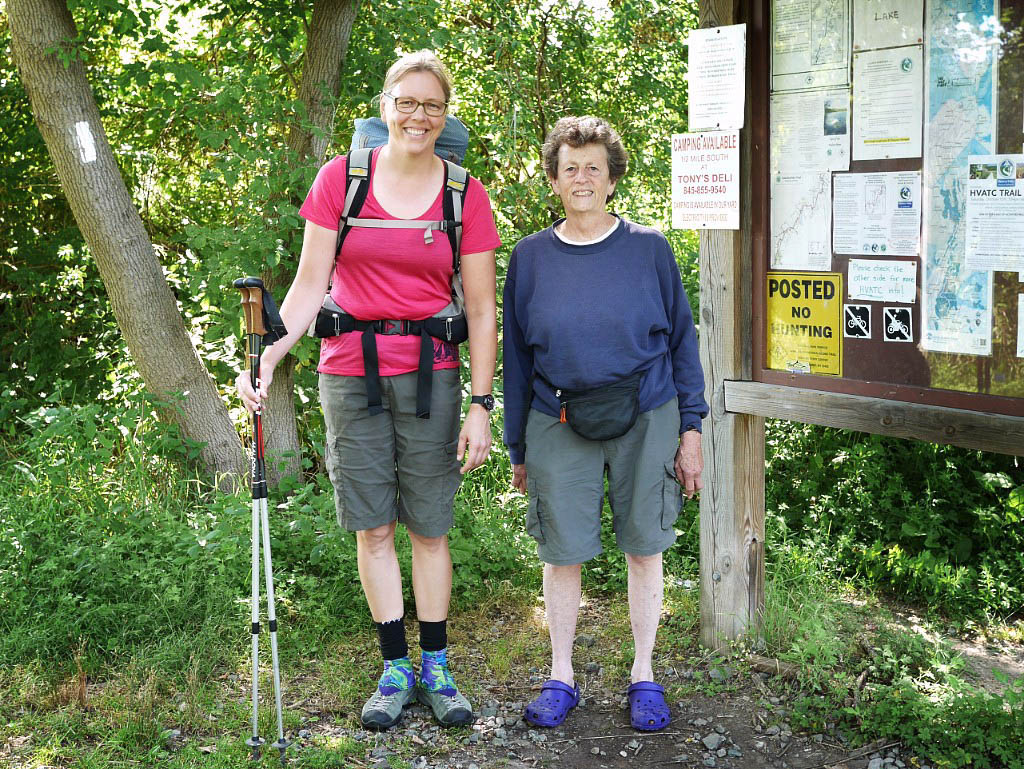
[
  {"x": 358, "y": 169},
  {"x": 456, "y": 182}
]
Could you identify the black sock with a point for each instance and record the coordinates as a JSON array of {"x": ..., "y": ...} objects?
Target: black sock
[
  {"x": 392, "y": 639},
  {"x": 433, "y": 635}
]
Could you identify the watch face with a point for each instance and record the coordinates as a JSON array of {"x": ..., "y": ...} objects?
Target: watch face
[{"x": 489, "y": 402}]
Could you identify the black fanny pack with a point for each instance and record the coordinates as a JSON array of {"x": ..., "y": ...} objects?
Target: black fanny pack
[{"x": 602, "y": 413}]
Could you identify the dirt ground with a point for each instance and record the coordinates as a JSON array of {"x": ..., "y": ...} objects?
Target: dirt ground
[
  {"x": 722, "y": 718},
  {"x": 729, "y": 731}
]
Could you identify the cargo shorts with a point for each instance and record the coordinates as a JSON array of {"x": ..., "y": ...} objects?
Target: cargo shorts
[
  {"x": 393, "y": 465},
  {"x": 565, "y": 480}
]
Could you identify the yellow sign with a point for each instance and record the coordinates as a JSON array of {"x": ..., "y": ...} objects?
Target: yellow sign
[{"x": 804, "y": 327}]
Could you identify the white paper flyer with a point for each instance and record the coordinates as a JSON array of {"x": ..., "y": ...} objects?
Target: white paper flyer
[{"x": 877, "y": 214}]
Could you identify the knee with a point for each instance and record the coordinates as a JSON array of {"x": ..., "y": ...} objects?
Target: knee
[
  {"x": 644, "y": 564},
  {"x": 377, "y": 541},
  {"x": 429, "y": 546}
]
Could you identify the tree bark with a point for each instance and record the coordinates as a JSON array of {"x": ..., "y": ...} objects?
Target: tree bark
[
  {"x": 326, "y": 48},
  {"x": 67, "y": 116}
]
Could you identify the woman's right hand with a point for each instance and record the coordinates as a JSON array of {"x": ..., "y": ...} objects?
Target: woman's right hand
[
  {"x": 243, "y": 384},
  {"x": 519, "y": 477}
]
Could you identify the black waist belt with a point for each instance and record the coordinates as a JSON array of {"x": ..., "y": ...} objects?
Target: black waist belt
[{"x": 454, "y": 330}]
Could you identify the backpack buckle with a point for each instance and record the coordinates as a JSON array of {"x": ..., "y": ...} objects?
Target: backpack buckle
[{"x": 392, "y": 327}]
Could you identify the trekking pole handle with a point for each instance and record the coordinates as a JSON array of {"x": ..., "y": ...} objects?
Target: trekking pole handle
[{"x": 252, "y": 304}]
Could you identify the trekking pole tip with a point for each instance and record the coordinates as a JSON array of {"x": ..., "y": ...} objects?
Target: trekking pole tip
[
  {"x": 255, "y": 742},
  {"x": 282, "y": 745}
]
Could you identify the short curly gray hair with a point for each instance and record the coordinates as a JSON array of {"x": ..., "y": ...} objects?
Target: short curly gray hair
[{"x": 578, "y": 131}]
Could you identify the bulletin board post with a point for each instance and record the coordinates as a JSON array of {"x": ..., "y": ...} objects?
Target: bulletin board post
[{"x": 732, "y": 503}]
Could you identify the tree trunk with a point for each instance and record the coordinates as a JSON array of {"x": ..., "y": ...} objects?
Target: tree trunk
[
  {"x": 147, "y": 314},
  {"x": 326, "y": 48}
]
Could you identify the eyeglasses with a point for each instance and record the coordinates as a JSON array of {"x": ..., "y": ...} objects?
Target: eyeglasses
[{"x": 408, "y": 106}]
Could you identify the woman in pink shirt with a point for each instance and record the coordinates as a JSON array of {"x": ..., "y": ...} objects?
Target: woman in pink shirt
[{"x": 386, "y": 463}]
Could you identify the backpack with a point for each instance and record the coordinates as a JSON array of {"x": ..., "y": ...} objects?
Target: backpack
[{"x": 450, "y": 323}]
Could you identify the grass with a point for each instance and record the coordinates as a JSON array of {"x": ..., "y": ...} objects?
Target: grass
[{"x": 124, "y": 617}]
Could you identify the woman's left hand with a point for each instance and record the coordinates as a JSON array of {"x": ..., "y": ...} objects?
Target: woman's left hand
[
  {"x": 690, "y": 463},
  {"x": 474, "y": 438}
]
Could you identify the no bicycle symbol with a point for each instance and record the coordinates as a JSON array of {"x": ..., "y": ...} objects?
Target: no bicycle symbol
[
  {"x": 857, "y": 321},
  {"x": 897, "y": 326}
]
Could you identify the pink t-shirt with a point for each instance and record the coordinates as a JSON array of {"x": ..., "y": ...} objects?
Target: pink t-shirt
[{"x": 392, "y": 273}]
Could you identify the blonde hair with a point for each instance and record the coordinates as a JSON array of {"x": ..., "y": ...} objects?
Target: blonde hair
[{"x": 420, "y": 61}]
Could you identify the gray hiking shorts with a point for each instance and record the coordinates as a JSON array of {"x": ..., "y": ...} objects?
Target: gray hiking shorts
[
  {"x": 393, "y": 465},
  {"x": 565, "y": 478}
]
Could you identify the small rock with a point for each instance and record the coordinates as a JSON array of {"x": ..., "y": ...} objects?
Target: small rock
[
  {"x": 305, "y": 734},
  {"x": 772, "y": 730},
  {"x": 632, "y": 744},
  {"x": 474, "y": 738},
  {"x": 818, "y": 738},
  {"x": 875, "y": 763},
  {"x": 500, "y": 733},
  {"x": 682, "y": 758},
  {"x": 699, "y": 722},
  {"x": 585, "y": 639},
  {"x": 382, "y": 752},
  {"x": 720, "y": 729},
  {"x": 774, "y": 700},
  {"x": 487, "y": 711},
  {"x": 624, "y": 754},
  {"x": 595, "y": 751},
  {"x": 182, "y": 706},
  {"x": 472, "y": 766},
  {"x": 735, "y": 753},
  {"x": 713, "y": 740},
  {"x": 689, "y": 584},
  {"x": 592, "y": 667},
  {"x": 419, "y": 763},
  {"x": 709, "y": 761},
  {"x": 721, "y": 752},
  {"x": 759, "y": 745},
  {"x": 716, "y": 675}
]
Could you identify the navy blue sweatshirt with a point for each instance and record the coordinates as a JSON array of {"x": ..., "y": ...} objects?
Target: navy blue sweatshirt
[{"x": 586, "y": 316}]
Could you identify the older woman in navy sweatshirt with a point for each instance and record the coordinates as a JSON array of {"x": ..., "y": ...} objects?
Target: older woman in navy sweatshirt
[{"x": 597, "y": 329}]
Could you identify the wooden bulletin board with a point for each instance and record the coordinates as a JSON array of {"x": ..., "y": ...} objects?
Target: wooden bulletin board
[{"x": 946, "y": 314}]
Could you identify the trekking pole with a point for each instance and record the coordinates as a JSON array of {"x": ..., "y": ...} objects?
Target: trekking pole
[{"x": 260, "y": 311}]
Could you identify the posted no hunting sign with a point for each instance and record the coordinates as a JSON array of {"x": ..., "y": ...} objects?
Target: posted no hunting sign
[{"x": 804, "y": 323}]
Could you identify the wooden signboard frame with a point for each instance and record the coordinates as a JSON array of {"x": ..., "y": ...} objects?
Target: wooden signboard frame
[{"x": 741, "y": 393}]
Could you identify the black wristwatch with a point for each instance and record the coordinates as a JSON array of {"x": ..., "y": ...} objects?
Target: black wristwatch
[{"x": 487, "y": 401}]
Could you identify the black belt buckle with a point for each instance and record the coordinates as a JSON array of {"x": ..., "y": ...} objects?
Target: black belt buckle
[{"x": 393, "y": 327}]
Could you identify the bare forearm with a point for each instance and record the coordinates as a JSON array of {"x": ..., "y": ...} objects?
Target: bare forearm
[{"x": 483, "y": 350}]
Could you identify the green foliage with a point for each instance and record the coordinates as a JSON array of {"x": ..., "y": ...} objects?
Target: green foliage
[
  {"x": 936, "y": 524},
  {"x": 957, "y": 725}
]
